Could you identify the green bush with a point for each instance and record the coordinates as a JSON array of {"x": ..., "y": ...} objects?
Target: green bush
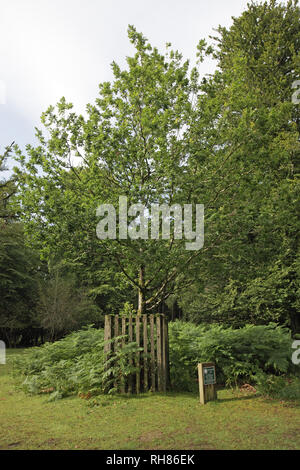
[
  {"x": 73, "y": 365},
  {"x": 239, "y": 354},
  {"x": 282, "y": 387}
]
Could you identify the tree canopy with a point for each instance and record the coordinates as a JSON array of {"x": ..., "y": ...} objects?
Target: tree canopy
[{"x": 161, "y": 134}]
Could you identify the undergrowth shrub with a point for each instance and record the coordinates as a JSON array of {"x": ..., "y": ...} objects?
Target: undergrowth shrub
[
  {"x": 76, "y": 364},
  {"x": 281, "y": 387},
  {"x": 73, "y": 365},
  {"x": 239, "y": 354}
]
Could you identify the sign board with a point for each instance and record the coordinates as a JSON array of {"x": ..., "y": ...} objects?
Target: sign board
[
  {"x": 209, "y": 375},
  {"x": 207, "y": 382}
]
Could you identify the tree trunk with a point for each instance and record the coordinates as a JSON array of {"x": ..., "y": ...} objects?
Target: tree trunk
[
  {"x": 141, "y": 291},
  {"x": 295, "y": 323}
]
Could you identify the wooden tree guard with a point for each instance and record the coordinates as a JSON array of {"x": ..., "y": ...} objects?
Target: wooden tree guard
[{"x": 150, "y": 332}]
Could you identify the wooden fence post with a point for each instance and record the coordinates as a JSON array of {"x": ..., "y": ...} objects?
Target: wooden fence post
[
  {"x": 159, "y": 353},
  {"x": 145, "y": 343},
  {"x": 116, "y": 345},
  {"x": 107, "y": 334},
  {"x": 107, "y": 338},
  {"x": 138, "y": 341},
  {"x": 123, "y": 381},
  {"x": 130, "y": 334},
  {"x": 164, "y": 352},
  {"x": 153, "y": 387}
]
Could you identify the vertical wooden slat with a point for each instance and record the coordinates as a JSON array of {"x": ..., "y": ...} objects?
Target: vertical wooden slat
[
  {"x": 145, "y": 341},
  {"x": 159, "y": 353},
  {"x": 152, "y": 361},
  {"x": 107, "y": 334},
  {"x": 116, "y": 346},
  {"x": 123, "y": 382},
  {"x": 164, "y": 353},
  {"x": 130, "y": 333},
  {"x": 168, "y": 378},
  {"x": 123, "y": 331},
  {"x": 107, "y": 337},
  {"x": 116, "y": 329},
  {"x": 138, "y": 341}
]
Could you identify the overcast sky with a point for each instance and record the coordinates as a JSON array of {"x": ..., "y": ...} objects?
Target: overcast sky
[{"x": 55, "y": 48}]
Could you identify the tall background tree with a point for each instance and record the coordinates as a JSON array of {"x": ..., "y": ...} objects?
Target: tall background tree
[
  {"x": 256, "y": 278},
  {"x": 17, "y": 262},
  {"x": 157, "y": 134},
  {"x": 140, "y": 141}
]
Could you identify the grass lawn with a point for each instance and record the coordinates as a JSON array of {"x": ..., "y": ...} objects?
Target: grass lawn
[{"x": 150, "y": 421}]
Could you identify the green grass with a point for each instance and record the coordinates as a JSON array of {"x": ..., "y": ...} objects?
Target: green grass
[{"x": 172, "y": 421}]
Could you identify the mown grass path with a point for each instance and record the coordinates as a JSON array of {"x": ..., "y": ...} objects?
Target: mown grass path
[{"x": 172, "y": 421}]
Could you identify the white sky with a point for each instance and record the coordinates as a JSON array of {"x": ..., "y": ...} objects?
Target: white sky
[{"x": 55, "y": 48}]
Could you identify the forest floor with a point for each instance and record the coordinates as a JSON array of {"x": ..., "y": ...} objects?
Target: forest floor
[{"x": 150, "y": 421}]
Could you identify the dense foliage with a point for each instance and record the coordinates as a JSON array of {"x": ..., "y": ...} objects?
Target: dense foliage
[
  {"x": 254, "y": 277},
  {"x": 239, "y": 354},
  {"x": 39, "y": 301},
  {"x": 73, "y": 365},
  {"x": 76, "y": 363}
]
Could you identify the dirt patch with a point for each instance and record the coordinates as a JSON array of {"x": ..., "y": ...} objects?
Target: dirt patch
[
  {"x": 292, "y": 434},
  {"x": 53, "y": 442},
  {"x": 151, "y": 436},
  {"x": 148, "y": 438}
]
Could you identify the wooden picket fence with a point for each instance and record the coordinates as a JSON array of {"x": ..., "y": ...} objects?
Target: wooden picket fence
[{"x": 150, "y": 332}]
